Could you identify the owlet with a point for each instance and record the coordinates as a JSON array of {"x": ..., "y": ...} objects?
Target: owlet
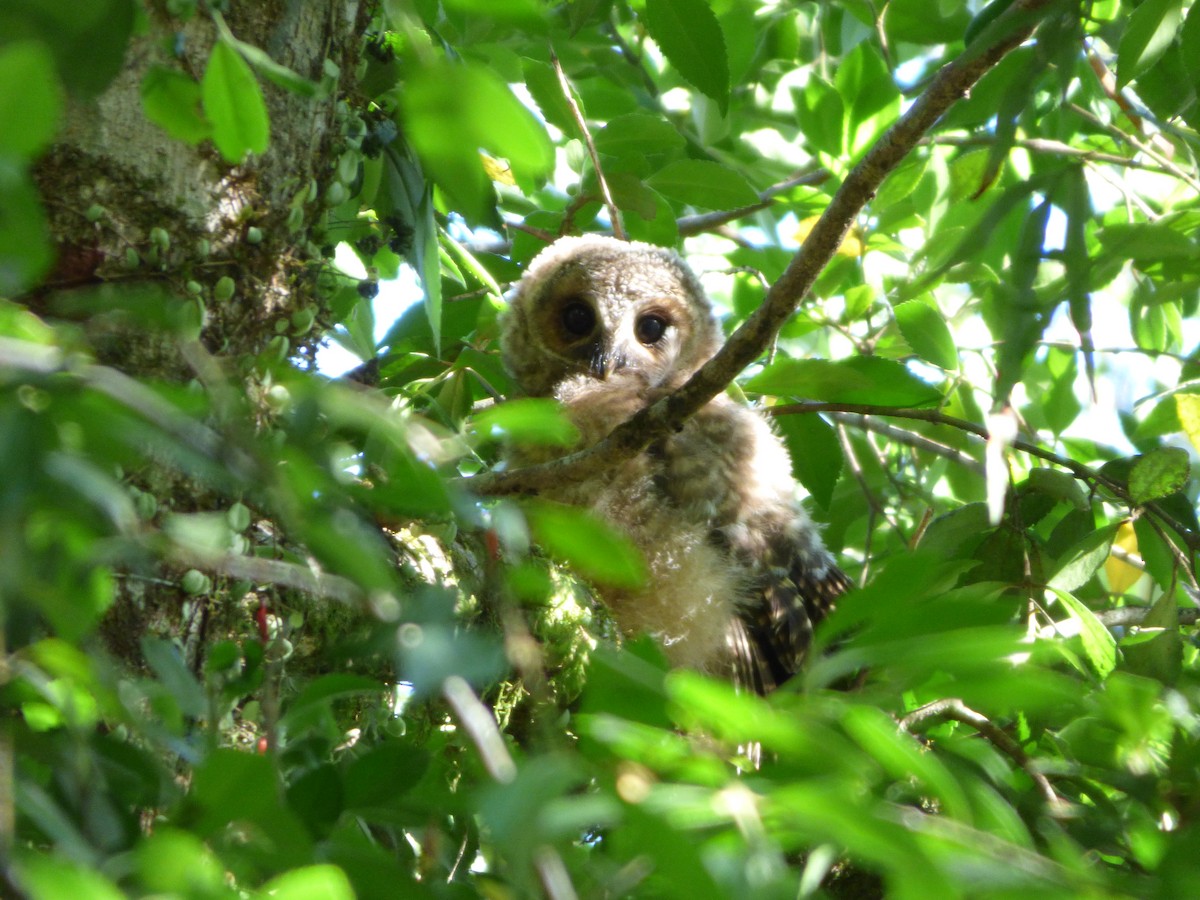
[{"x": 738, "y": 574}]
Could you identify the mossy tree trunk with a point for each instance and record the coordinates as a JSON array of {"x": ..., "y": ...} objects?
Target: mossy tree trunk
[{"x": 183, "y": 267}]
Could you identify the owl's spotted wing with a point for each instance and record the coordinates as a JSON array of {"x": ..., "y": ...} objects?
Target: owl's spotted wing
[{"x": 773, "y": 631}]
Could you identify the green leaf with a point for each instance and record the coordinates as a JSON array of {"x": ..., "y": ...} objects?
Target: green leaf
[
  {"x": 860, "y": 379},
  {"x": 230, "y": 785},
  {"x": 430, "y": 653},
  {"x": 871, "y": 98},
  {"x": 821, "y": 113},
  {"x": 320, "y": 882},
  {"x": 1150, "y": 31},
  {"x": 1156, "y": 553},
  {"x": 904, "y": 757},
  {"x": 25, "y": 254},
  {"x": 925, "y": 331},
  {"x": 451, "y": 111},
  {"x": 175, "y": 862},
  {"x": 405, "y": 194},
  {"x": 638, "y": 133},
  {"x": 1189, "y": 43},
  {"x": 690, "y": 37},
  {"x": 1156, "y": 651},
  {"x": 31, "y": 101},
  {"x": 234, "y": 105},
  {"x": 817, "y": 457},
  {"x": 277, "y": 73},
  {"x": 627, "y": 683},
  {"x": 398, "y": 765},
  {"x": 1187, "y": 408},
  {"x": 1082, "y": 561},
  {"x": 924, "y": 22},
  {"x": 88, "y": 40},
  {"x": 596, "y": 550},
  {"x": 1075, "y": 252},
  {"x": 319, "y": 694},
  {"x": 901, "y": 182},
  {"x": 1098, "y": 643},
  {"x": 704, "y": 184},
  {"x": 984, "y": 18},
  {"x": 542, "y": 83},
  {"x": 51, "y": 878},
  {"x": 527, "y": 420},
  {"x": 167, "y": 662},
  {"x": 1146, "y": 241},
  {"x": 172, "y": 101},
  {"x": 1158, "y": 474}
]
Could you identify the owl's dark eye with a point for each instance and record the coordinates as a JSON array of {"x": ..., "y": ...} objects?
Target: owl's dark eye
[
  {"x": 649, "y": 329},
  {"x": 578, "y": 319}
]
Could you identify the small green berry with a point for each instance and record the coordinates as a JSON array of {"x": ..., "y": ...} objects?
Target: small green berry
[
  {"x": 336, "y": 195},
  {"x": 195, "y": 582},
  {"x": 238, "y": 517},
  {"x": 224, "y": 288},
  {"x": 303, "y": 320}
]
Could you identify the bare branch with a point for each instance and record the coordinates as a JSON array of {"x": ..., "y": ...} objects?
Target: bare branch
[
  {"x": 689, "y": 225},
  {"x": 1136, "y": 615},
  {"x": 480, "y": 725},
  {"x": 756, "y": 334},
  {"x": 954, "y": 709},
  {"x": 899, "y": 436},
  {"x": 270, "y": 571},
  {"x": 936, "y": 417},
  {"x": 1051, "y": 148},
  {"x": 613, "y": 212}
]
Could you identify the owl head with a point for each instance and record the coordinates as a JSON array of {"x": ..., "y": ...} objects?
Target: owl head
[{"x": 601, "y": 308}]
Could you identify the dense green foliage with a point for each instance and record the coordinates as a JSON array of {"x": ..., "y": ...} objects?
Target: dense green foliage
[{"x": 1009, "y": 705}]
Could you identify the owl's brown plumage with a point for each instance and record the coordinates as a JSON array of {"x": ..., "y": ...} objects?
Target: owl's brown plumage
[{"x": 738, "y": 572}]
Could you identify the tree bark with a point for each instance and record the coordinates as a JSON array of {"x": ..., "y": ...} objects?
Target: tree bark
[{"x": 151, "y": 231}]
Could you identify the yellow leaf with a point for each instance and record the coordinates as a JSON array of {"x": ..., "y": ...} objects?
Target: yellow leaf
[
  {"x": 1188, "y": 408},
  {"x": 852, "y": 244},
  {"x": 498, "y": 170},
  {"x": 1121, "y": 575}
]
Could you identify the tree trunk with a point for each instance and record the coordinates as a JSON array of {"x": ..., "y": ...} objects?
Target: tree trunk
[{"x": 161, "y": 242}]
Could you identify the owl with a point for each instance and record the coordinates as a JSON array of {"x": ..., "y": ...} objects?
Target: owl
[{"x": 738, "y": 574}]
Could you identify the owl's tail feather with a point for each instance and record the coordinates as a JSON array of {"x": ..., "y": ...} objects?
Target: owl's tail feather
[{"x": 771, "y": 635}]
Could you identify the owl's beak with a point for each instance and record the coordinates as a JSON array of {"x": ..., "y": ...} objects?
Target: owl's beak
[
  {"x": 598, "y": 361},
  {"x": 603, "y": 361}
]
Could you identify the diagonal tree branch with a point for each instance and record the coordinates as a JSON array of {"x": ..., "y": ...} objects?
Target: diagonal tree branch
[{"x": 755, "y": 335}]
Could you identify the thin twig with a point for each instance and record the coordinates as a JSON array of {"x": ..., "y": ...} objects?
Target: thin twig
[
  {"x": 480, "y": 725},
  {"x": 690, "y": 225},
  {"x": 540, "y": 233},
  {"x": 755, "y": 335},
  {"x": 1137, "y": 144},
  {"x": 908, "y": 438},
  {"x": 1050, "y": 147},
  {"x": 613, "y": 213},
  {"x": 1079, "y": 470},
  {"x": 954, "y": 709},
  {"x": 275, "y": 572},
  {"x": 1136, "y": 615}
]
